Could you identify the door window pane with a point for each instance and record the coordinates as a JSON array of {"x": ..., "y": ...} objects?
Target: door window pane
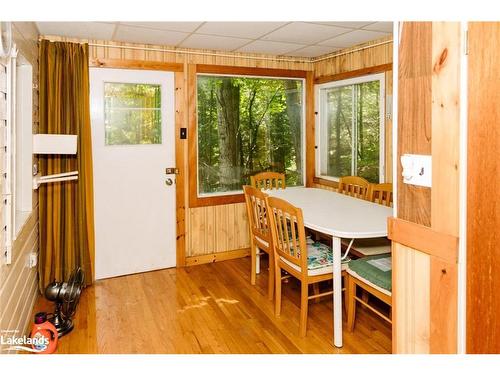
[
  {"x": 132, "y": 113},
  {"x": 248, "y": 125}
]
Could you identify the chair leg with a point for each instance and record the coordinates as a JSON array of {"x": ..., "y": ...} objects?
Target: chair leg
[
  {"x": 277, "y": 275},
  {"x": 345, "y": 279},
  {"x": 304, "y": 293},
  {"x": 253, "y": 257},
  {"x": 316, "y": 291},
  {"x": 351, "y": 304},
  {"x": 270, "y": 288},
  {"x": 365, "y": 296}
]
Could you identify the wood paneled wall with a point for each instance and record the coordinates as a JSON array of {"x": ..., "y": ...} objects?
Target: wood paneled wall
[
  {"x": 483, "y": 209},
  {"x": 18, "y": 282},
  {"x": 378, "y": 52},
  {"x": 425, "y": 283},
  {"x": 236, "y": 59}
]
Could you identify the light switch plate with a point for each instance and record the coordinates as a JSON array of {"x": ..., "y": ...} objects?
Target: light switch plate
[{"x": 417, "y": 169}]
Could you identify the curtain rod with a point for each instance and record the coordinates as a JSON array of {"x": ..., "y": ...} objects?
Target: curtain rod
[{"x": 215, "y": 54}]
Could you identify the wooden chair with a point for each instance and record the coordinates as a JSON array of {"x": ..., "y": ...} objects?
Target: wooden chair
[
  {"x": 369, "y": 284},
  {"x": 291, "y": 255},
  {"x": 381, "y": 194},
  {"x": 268, "y": 180},
  {"x": 354, "y": 186},
  {"x": 260, "y": 235}
]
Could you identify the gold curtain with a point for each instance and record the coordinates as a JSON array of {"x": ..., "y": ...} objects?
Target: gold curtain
[{"x": 66, "y": 209}]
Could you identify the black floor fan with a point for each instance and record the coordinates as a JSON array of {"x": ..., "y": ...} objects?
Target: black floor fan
[{"x": 65, "y": 296}]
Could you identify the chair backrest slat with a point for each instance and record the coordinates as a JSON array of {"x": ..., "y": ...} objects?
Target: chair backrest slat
[
  {"x": 287, "y": 229},
  {"x": 354, "y": 186},
  {"x": 257, "y": 212},
  {"x": 381, "y": 194},
  {"x": 268, "y": 180}
]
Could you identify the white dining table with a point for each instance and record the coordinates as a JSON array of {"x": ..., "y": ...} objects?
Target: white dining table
[{"x": 339, "y": 216}]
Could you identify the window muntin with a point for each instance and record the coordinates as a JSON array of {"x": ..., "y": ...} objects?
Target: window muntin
[
  {"x": 132, "y": 113},
  {"x": 350, "y": 135},
  {"x": 248, "y": 125}
]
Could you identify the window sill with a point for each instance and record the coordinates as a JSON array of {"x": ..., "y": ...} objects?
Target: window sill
[
  {"x": 21, "y": 219},
  {"x": 216, "y": 200},
  {"x": 326, "y": 182}
]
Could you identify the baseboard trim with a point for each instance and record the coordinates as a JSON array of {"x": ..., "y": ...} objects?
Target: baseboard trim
[{"x": 217, "y": 257}]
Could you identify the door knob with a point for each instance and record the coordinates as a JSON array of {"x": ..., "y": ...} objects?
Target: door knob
[{"x": 168, "y": 181}]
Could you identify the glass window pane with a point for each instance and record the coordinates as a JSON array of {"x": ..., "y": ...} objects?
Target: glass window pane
[
  {"x": 132, "y": 113},
  {"x": 336, "y": 138},
  {"x": 368, "y": 122},
  {"x": 245, "y": 126}
]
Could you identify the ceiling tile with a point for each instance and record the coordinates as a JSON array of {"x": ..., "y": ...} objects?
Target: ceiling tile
[
  {"x": 84, "y": 30},
  {"x": 305, "y": 33},
  {"x": 251, "y": 30},
  {"x": 313, "y": 51},
  {"x": 349, "y": 25},
  {"x": 269, "y": 47},
  {"x": 186, "y": 27},
  {"x": 222, "y": 43},
  {"x": 148, "y": 36},
  {"x": 352, "y": 38},
  {"x": 380, "y": 26}
]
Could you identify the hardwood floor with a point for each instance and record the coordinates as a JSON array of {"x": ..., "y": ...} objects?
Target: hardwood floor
[{"x": 208, "y": 308}]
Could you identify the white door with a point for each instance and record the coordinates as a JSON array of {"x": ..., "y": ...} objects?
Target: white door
[{"x": 133, "y": 143}]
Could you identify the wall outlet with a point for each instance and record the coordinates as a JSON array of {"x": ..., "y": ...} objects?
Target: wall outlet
[
  {"x": 417, "y": 169},
  {"x": 33, "y": 260}
]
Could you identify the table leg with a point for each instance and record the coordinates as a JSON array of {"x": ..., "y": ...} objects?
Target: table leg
[{"x": 337, "y": 292}]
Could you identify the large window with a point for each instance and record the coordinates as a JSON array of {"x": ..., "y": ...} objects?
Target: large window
[
  {"x": 248, "y": 125},
  {"x": 350, "y": 128}
]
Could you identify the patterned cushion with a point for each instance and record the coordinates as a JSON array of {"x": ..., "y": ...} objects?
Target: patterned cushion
[
  {"x": 320, "y": 259},
  {"x": 319, "y": 256}
]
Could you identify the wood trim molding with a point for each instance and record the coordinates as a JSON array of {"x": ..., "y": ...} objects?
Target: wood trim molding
[
  {"x": 248, "y": 71},
  {"x": 217, "y": 257},
  {"x": 325, "y": 182},
  {"x": 180, "y": 147},
  {"x": 192, "y": 137},
  {"x": 310, "y": 130},
  {"x": 136, "y": 64},
  {"x": 424, "y": 239},
  {"x": 354, "y": 73}
]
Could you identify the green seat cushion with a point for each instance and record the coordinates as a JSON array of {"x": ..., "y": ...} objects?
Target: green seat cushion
[{"x": 376, "y": 269}]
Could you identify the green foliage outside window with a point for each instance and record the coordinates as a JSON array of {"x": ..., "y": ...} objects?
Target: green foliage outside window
[
  {"x": 352, "y": 140},
  {"x": 245, "y": 126},
  {"x": 132, "y": 113}
]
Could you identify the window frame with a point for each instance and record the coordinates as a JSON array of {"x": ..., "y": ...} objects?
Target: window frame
[
  {"x": 213, "y": 199},
  {"x": 319, "y": 108},
  {"x": 22, "y": 146}
]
